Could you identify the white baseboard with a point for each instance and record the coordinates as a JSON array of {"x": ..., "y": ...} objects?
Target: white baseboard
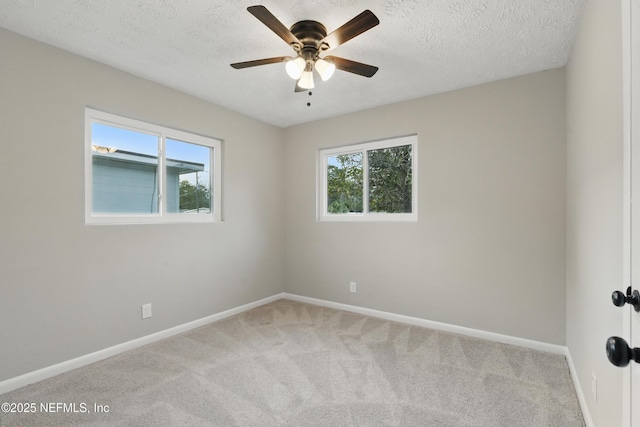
[
  {"x": 505, "y": 339},
  {"x": 51, "y": 371},
  {"x": 581, "y": 398}
]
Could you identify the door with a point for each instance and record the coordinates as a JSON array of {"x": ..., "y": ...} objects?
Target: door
[
  {"x": 631, "y": 90},
  {"x": 620, "y": 352}
]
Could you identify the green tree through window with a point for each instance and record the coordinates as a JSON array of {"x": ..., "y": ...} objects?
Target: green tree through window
[
  {"x": 370, "y": 181},
  {"x": 194, "y": 198},
  {"x": 390, "y": 180},
  {"x": 344, "y": 183}
]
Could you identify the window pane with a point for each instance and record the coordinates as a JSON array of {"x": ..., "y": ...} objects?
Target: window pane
[
  {"x": 188, "y": 177},
  {"x": 390, "y": 177},
  {"x": 125, "y": 170},
  {"x": 344, "y": 183}
]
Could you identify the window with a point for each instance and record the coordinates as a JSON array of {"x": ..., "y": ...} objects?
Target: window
[
  {"x": 369, "y": 182},
  {"x": 137, "y": 172}
]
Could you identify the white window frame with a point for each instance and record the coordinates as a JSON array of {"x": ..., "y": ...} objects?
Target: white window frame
[
  {"x": 366, "y": 216},
  {"x": 162, "y": 217}
]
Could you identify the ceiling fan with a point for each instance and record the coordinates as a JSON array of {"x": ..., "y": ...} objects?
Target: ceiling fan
[{"x": 309, "y": 39}]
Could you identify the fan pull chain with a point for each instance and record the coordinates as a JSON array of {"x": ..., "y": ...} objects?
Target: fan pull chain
[{"x": 309, "y": 99}]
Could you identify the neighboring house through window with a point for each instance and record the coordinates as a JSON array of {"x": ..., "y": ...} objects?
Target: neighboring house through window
[{"x": 138, "y": 172}]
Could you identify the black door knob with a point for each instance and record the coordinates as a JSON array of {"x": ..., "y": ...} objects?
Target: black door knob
[
  {"x": 619, "y": 352},
  {"x": 619, "y": 299}
]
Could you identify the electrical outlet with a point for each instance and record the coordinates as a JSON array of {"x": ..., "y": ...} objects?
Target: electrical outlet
[
  {"x": 594, "y": 387},
  {"x": 146, "y": 311},
  {"x": 352, "y": 287}
]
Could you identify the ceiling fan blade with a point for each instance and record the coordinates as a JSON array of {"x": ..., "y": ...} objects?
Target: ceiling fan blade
[
  {"x": 358, "y": 25},
  {"x": 255, "y": 63},
  {"x": 353, "y": 66},
  {"x": 267, "y": 18}
]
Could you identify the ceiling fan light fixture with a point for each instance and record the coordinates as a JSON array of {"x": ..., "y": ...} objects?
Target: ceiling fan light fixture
[
  {"x": 309, "y": 39},
  {"x": 306, "y": 80},
  {"x": 326, "y": 68},
  {"x": 295, "y": 67}
]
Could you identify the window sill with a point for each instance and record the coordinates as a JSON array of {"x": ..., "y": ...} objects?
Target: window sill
[
  {"x": 150, "y": 219},
  {"x": 413, "y": 217}
]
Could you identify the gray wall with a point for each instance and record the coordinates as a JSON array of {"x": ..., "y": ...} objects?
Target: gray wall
[
  {"x": 67, "y": 289},
  {"x": 594, "y": 204},
  {"x": 488, "y": 249}
]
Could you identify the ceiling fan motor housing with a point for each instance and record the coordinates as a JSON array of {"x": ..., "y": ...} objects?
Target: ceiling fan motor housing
[{"x": 310, "y": 34}]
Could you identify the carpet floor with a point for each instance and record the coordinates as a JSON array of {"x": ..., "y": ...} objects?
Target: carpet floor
[{"x": 293, "y": 364}]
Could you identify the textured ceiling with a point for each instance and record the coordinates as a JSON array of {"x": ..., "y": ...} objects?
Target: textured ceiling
[{"x": 422, "y": 47}]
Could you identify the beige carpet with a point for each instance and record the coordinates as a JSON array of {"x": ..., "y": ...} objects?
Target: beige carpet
[{"x": 294, "y": 364}]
